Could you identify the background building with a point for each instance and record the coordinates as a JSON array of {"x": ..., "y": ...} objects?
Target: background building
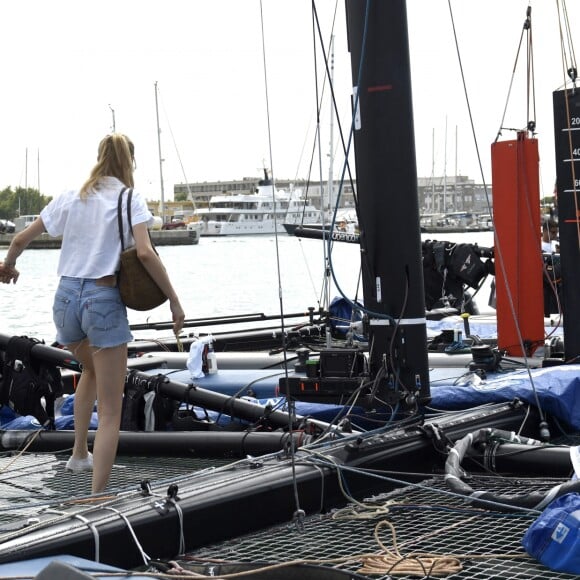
[
  {"x": 452, "y": 194},
  {"x": 439, "y": 195}
]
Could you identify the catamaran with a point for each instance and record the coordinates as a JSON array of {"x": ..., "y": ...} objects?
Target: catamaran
[{"x": 323, "y": 465}]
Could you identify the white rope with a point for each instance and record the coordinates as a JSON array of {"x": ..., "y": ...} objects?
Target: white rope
[
  {"x": 95, "y": 532},
  {"x": 180, "y": 516},
  {"x": 146, "y": 558}
]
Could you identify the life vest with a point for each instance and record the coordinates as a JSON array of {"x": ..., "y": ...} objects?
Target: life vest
[{"x": 27, "y": 385}]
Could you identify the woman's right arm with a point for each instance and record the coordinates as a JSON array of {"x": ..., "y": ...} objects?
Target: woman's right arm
[{"x": 19, "y": 243}]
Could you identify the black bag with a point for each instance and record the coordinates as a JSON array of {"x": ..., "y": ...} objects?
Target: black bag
[
  {"x": 26, "y": 382},
  {"x": 138, "y": 290},
  {"x": 441, "y": 289},
  {"x": 466, "y": 265},
  {"x": 144, "y": 408}
]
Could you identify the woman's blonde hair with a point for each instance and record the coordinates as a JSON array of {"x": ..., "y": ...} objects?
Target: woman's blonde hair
[{"x": 116, "y": 158}]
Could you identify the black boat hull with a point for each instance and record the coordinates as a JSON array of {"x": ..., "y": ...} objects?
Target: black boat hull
[{"x": 208, "y": 507}]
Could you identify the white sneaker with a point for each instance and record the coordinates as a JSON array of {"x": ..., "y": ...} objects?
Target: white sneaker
[{"x": 85, "y": 464}]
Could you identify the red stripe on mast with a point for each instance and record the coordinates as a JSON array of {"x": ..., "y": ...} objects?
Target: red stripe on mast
[{"x": 380, "y": 88}]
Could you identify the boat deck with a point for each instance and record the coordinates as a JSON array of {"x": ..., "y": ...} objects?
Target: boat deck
[
  {"x": 159, "y": 237},
  {"x": 423, "y": 520}
]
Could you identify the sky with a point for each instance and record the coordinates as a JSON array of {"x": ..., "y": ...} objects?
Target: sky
[{"x": 228, "y": 105}]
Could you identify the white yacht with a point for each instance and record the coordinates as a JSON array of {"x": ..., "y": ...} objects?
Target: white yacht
[{"x": 261, "y": 212}]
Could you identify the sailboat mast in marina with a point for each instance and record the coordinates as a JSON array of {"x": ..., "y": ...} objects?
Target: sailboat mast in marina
[{"x": 162, "y": 190}]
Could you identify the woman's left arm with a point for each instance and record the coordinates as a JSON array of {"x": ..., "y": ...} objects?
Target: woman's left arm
[{"x": 156, "y": 269}]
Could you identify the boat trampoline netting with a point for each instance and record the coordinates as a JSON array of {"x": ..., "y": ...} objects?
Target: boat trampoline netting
[
  {"x": 31, "y": 480},
  {"x": 476, "y": 544}
]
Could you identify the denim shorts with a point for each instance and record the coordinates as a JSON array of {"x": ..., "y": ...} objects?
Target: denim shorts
[{"x": 82, "y": 309}]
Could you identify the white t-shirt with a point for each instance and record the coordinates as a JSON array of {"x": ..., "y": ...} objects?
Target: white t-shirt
[{"x": 91, "y": 244}]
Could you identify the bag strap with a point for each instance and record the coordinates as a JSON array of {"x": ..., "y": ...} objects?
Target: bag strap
[
  {"x": 120, "y": 218},
  {"x": 129, "y": 198},
  {"x": 120, "y": 214}
]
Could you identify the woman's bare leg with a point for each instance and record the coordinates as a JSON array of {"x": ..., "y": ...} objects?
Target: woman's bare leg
[
  {"x": 110, "y": 366},
  {"x": 85, "y": 396}
]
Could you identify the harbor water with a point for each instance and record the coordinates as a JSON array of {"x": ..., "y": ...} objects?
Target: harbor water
[{"x": 217, "y": 277}]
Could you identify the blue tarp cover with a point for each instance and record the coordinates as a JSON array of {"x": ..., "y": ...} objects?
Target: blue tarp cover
[{"x": 557, "y": 389}]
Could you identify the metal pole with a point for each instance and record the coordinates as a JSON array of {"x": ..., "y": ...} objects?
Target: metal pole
[{"x": 162, "y": 204}]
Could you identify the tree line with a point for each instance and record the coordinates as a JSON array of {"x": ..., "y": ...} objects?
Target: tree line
[{"x": 21, "y": 201}]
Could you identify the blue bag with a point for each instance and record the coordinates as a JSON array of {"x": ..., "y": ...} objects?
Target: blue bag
[
  {"x": 553, "y": 539},
  {"x": 341, "y": 315}
]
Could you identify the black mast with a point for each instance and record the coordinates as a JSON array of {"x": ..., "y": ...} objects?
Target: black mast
[
  {"x": 388, "y": 211},
  {"x": 567, "y": 146}
]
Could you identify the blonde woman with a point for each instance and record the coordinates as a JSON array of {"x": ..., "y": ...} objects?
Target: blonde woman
[{"x": 90, "y": 318}]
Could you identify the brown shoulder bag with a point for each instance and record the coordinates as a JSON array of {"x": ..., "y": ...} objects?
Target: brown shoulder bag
[{"x": 137, "y": 288}]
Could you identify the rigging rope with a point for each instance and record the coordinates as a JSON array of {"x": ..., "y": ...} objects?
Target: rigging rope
[
  {"x": 345, "y": 168},
  {"x": 291, "y": 405},
  {"x": 22, "y": 451},
  {"x": 394, "y": 563},
  {"x": 527, "y": 28},
  {"x": 531, "y": 127}
]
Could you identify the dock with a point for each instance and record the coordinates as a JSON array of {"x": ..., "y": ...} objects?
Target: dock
[{"x": 159, "y": 238}]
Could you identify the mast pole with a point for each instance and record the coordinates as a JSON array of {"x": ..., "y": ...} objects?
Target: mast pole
[
  {"x": 432, "y": 207},
  {"x": 331, "y": 196},
  {"x": 445, "y": 171},
  {"x": 113, "y": 125},
  {"x": 162, "y": 203},
  {"x": 455, "y": 188},
  {"x": 386, "y": 174}
]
